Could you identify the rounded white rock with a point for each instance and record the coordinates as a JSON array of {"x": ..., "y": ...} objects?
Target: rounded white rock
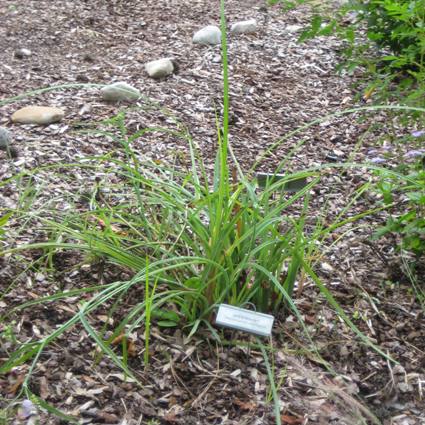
[
  {"x": 42, "y": 115},
  {"x": 5, "y": 138},
  {"x": 120, "y": 91},
  {"x": 244, "y": 27},
  {"x": 294, "y": 28},
  {"x": 22, "y": 53},
  {"x": 160, "y": 68},
  {"x": 208, "y": 35}
]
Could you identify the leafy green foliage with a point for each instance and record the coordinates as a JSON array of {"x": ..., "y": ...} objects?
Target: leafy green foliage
[
  {"x": 393, "y": 54},
  {"x": 399, "y": 26},
  {"x": 3, "y": 221},
  {"x": 410, "y": 225}
]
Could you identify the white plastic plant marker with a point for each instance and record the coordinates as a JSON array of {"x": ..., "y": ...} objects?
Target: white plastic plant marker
[
  {"x": 293, "y": 185},
  {"x": 244, "y": 320}
]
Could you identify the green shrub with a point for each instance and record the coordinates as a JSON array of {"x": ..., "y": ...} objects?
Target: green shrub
[
  {"x": 399, "y": 26},
  {"x": 393, "y": 54}
]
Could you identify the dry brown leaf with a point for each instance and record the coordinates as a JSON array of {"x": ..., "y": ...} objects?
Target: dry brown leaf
[
  {"x": 368, "y": 93},
  {"x": 171, "y": 417},
  {"x": 131, "y": 346},
  {"x": 172, "y": 401},
  {"x": 44, "y": 388},
  {"x": 245, "y": 405},
  {"x": 291, "y": 420},
  {"x": 108, "y": 417},
  {"x": 117, "y": 340},
  {"x": 15, "y": 387},
  {"x": 310, "y": 319},
  {"x": 113, "y": 227}
]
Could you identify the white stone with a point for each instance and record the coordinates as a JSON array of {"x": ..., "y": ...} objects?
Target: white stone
[
  {"x": 159, "y": 68},
  {"x": 22, "y": 53},
  {"x": 120, "y": 91},
  {"x": 208, "y": 35},
  {"x": 5, "y": 138},
  {"x": 294, "y": 28},
  {"x": 5, "y": 143},
  {"x": 42, "y": 115},
  {"x": 326, "y": 267},
  {"x": 244, "y": 27}
]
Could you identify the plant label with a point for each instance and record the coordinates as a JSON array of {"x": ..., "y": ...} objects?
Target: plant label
[
  {"x": 293, "y": 185},
  {"x": 244, "y": 320}
]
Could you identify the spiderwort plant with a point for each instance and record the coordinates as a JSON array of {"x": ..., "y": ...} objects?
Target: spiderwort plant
[
  {"x": 410, "y": 225},
  {"x": 207, "y": 241}
]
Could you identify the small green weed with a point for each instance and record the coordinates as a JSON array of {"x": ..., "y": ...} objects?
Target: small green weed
[{"x": 410, "y": 225}]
